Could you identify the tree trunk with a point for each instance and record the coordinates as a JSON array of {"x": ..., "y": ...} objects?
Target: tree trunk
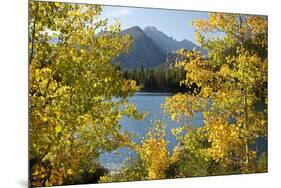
[{"x": 246, "y": 127}]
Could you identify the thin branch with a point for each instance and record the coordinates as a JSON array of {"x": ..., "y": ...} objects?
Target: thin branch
[{"x": 33, "y": 32}]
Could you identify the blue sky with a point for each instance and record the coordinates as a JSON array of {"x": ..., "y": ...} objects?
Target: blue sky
[{"x": 174, "y": 23}]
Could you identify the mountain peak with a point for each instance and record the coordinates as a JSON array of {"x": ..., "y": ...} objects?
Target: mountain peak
[
  {"x": 133, "y": 29},
  {"x": 168, "y": 44},
  {"x": 150, "y": 47},
  {"x": 151, "y": 28},
  {"x": 144, "y": 52}
]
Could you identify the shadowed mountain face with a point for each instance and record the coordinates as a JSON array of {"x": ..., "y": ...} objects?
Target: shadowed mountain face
[
  {"x": 144, "y": 51},
  {"x": 151, "y": 48}
]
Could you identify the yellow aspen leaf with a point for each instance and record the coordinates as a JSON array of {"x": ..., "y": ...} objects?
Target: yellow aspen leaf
[
  {"x": 57, "y": 4},
  {"x": 58, "y": 128},
  {"x": 35, "y": 173},
  {"x": 69, "y": 171}
]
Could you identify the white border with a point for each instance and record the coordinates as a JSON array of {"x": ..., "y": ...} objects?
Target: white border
[{"x": 13, "y": 93}]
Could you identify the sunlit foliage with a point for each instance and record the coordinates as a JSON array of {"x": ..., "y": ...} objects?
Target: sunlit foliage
[
  {"x": 233, "y": 91},
  {"x": 75, "y": 94},
  {"x": 153, "y": 151}
]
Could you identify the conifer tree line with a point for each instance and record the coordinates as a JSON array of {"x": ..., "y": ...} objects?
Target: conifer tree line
[{"x": 159, "y": 78}]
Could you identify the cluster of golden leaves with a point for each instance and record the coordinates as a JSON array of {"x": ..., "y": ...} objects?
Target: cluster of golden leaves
[
  {"x": 75, "y": 93},
  {"x": 153, "y": 151},
  {"x": 233, "y": 78}
]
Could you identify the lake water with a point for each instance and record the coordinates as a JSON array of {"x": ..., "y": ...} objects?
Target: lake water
[{"x": 145, "y": 102}]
